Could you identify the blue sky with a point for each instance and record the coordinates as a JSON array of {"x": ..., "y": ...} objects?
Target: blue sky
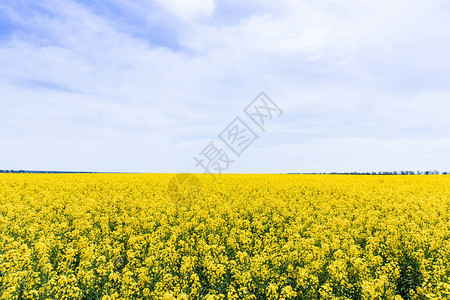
[{"x": 144, "y": 86}]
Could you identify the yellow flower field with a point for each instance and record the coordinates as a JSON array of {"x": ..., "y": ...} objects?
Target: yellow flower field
[{"x": 126, "y": 236}]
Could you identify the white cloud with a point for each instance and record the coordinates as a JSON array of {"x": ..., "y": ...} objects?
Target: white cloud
[
  {"x": 350, "y": 77},
  {"x": 189, "y": 9}
]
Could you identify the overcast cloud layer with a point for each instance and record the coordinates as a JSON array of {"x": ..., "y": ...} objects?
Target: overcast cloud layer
[{"x": 144, "y": 86}]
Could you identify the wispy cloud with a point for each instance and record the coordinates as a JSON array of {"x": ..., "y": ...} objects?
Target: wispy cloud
[{"x": 144, "y": 85}]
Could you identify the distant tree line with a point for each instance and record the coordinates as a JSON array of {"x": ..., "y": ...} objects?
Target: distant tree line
[
  {"x": 435, "y": 172},
  {"x": 41, "y": 172}
]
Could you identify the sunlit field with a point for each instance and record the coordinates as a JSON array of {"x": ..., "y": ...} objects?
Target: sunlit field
[{"x": 129, "y": 236}]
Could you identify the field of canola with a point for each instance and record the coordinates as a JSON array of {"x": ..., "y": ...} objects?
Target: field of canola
[{"x": 123, "y": 236}]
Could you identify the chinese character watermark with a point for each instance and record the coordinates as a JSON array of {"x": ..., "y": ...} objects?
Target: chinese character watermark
[
  {"x": 237, "y": 137},
  {"x": 262, "y": 109},
  {"x": 213, "y": 158}
]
